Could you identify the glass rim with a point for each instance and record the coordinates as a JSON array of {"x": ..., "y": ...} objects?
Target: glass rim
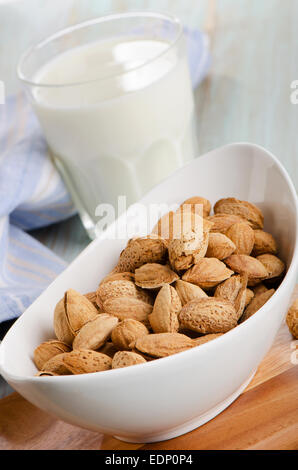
[{"x": 102, "y": 19}]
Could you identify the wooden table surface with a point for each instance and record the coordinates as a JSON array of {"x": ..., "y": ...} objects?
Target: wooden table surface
[{"x": 265, "y": 416}]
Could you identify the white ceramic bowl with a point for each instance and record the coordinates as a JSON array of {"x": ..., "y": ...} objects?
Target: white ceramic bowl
[{"x": 166, "y": 398}]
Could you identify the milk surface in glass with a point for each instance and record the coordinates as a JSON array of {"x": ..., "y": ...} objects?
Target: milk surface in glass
[{"x": 118, "y": 116}]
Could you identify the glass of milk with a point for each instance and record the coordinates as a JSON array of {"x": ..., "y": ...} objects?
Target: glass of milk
[{"x": 115, "y": 101}]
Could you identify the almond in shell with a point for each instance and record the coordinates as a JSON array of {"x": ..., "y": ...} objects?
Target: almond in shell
[
  {"x": 127, "y": 332},
  {"x": 142, "y": 251},
  {"x": 244, "y": 209},
  {"x": 86, "y": 362},
  {"x": 292, "y": 319},
  {"x": 208, "y": 273},
  {"x": 244, "y": 264},
  {"x": 234, "y": 290},
  {"x": 264, "y": 243},
  {"x": 128, "y": 307},
  {"x": 56, "y": 365},
  {"x": 198, "y": 205},
  {"x": 164, "y": 317},
  {"x": 127, "y": 359},
  {"x": 220, "y": 246},
  {"x": 91, "y": 296},
  {"x": 242, "y": 235},
  {"x": 163, "y": 344},
  {"x": 44, "y": 373},
  {"x": 257, "y": 302},
  {"x": 154, "y": 276},
  {"x": 71, "y": 313},
  {"x": 109, "y": 349},
  {"x": 249, "y": 296},
  {"x": 45, "y": 351},
  {"x": 94, "y": 334},
  {"x": 188, "y": 291},
  {"x": 191, "y": 242},
  {"x": 208, "y": 316},
  {"x": 120, "y": 288},
  {"x": 206, "y": 339},
  {"x": 274, "y": 266},
  {"x": 222, "y": 222}
]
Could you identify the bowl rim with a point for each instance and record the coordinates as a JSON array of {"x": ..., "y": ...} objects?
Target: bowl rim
[{"x": 114, "y": 373}]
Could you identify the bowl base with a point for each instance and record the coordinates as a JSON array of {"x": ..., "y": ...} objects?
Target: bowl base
[{"x": 190, "y": 425}]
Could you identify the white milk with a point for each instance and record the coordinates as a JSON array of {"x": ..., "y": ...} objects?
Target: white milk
[{"x": 125, "y": 129}]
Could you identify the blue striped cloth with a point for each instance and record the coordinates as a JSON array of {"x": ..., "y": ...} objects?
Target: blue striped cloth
[{"x": 33, "y": 195}]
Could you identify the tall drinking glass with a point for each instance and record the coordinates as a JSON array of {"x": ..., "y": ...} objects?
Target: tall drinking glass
[{"x": 115, "y": 101}]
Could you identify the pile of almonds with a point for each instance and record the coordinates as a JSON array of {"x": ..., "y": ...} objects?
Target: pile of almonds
[{"x": 168, "y": 293}]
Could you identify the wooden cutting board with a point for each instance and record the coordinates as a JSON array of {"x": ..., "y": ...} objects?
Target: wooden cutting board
[{"x": 264, "y": 417}]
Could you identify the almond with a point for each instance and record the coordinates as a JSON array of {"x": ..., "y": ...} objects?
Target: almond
[
  {"x": 142, "y": 251},
  {"x": 44, "y": 373},
  {"x": 109, "y": 349},
  {"x": 86, "y": 362},
  {"x": 208, "y": 316},
  {"x": 198, "y": 205},
  {"x": 164, "y": 317},
  {"x": 188, "y": 291},
  {"x": 91, "y": 296},
  {"x": 165, "y": 226},
  {"x": 242, "y": 208},
  {"x": 259, "y": 289},
  {"x": 163, "y": 344},
  {"x": 120, "y": 288},
  {"x": 274, "y": 266},
  {"x": 56, "y": 365},
  {"x": 292, "y": 319},
  {"x": 244, "y": 264},
  {"x": 264, "y": 243},
  {"x": 127, "y": 332},
  {"x": 249, "y": 296},
  {"x": 242, "y": 235},
  {"x": 118, "y": 277},
  {"x": 153, "y": 276},
  {"x": 190, "y": 244},
  {"x": 45, "y": 351},
  {"x": 206, "y": 339},
  {"x": 220, "y": 246},
  {"x": 234, "y": 290},
  {"x": 128, "y": 308},
  {"x": 126, "y": 359},
  {"x": 207, "y": 273},
  {"x": 222, "y": 222},
  {"x": 71, "y": 313},
  {"x": 257, "y": 302},
  {"x": 94, "y": 334}
]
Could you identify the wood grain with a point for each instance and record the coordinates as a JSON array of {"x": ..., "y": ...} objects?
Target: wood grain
[{"x": 264, "y": 417}]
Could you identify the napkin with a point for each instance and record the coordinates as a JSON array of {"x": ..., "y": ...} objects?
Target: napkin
[{"x": 33, "y": 195}]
